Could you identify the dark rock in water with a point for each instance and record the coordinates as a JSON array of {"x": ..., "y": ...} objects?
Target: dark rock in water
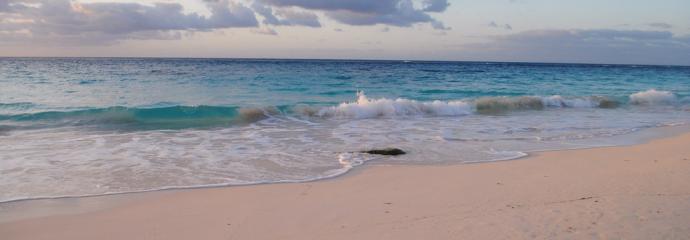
[{"x": 386, "y": 151}]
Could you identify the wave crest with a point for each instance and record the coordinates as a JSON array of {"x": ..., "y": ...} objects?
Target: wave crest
[
  {"x": 652, "y": 97},
  {"x": 502, "y": 104},
  {"x": 364, "y": 107},
  {"x": 383, "y": 107},
  {"x": 147, "y": 118},
  {"x": 177, "y": 117}
]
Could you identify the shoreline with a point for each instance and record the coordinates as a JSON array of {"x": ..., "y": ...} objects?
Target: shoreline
[
  {"x": 626, "y": 179},
  {"x": 643, "y": 136}
]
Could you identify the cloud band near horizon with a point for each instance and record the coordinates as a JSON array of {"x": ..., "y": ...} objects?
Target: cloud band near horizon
[{"x": 72, "y": 21}]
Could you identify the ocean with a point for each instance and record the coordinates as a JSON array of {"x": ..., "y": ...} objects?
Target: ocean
[{"x": 93, "y": 126}]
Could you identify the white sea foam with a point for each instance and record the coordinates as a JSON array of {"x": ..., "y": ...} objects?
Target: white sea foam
[
  {"x": 365, "y": 107},
  {"x": 383, "y": 107},
  {"x": 652, "y": 97},
  {"x": 561, "y": 102}
]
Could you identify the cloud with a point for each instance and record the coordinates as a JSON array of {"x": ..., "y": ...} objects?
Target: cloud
[
  {"x": 439, "y": 26},
  {"x": 660, "y": 25},
  {"x": 493, "y": 24},
  {"x": 401, "y": 13},
  {"x": 4, "y": 6},
  {"x": 58, "y": 22},
  {"x": 49, "y": 20},
  {"x": 291, "y": 17},
  {"x": 288, "y": 17},
  {"x": 436, "y": 5},
  {"x": 266, "y": 31},
  {"x": 584, "y": 45},
  {"x": 265, "y": 12},
  {"x": 361, "y": 6}
]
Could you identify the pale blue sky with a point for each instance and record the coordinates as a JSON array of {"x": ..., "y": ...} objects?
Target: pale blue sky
[
  {"x": 575, "y": 14},
  {"x": 612, "y": 31}
]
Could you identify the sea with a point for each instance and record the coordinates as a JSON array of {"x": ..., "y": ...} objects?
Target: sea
[{"x": 93, "y": 126}]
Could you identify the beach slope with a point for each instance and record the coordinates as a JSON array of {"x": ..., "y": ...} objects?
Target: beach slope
[{"x": 631, "y": 192}]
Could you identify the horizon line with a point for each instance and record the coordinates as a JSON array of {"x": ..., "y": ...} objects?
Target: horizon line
[{"x": 353, "y": 60}]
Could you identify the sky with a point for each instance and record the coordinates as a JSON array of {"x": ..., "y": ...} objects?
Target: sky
[{"x": 584, "y": 31}]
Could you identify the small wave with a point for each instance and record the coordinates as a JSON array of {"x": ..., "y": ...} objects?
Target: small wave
[
  {"x": 383, "y": 107},
  {"x": 250, "y": 115},
  {"x": 652, "y": 97},
  {"x": 17, "y": 105},
  {"x": 488, "y": 105},
  {"x": 171, "y": 117},
  {"x": 168, "y": 116},
  {"x": 501, "y": 104}
]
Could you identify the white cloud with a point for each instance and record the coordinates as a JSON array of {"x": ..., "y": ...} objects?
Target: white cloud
[
  {"x": 286, "y": 16},
  {"x": 402, "y": 13},
  {"x": 266, "y": 31},
  {"x": 506, "y": 26},
  {"x": 660, "y": 25},
  {"x": 436, "y": 5},
  {"x": 67, "y": 21}
]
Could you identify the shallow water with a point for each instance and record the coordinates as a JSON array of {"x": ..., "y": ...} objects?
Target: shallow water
[{"x": 71, "y": 127}]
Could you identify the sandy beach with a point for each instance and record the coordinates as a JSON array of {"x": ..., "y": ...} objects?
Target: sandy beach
[{"x": 630, "y": 192}]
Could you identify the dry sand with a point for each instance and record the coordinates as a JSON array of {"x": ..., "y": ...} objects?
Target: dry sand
[{"x": 632, "y": 192}]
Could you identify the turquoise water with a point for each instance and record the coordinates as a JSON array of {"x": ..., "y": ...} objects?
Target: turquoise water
[{"x": 79, "y": 126}]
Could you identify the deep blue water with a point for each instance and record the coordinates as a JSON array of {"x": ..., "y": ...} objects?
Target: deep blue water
[{"x": 83, "y": 126}]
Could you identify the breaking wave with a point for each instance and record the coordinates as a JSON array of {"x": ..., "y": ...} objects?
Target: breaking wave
[
  {"x": 382, "y": 107},
  {"x": 178, "y": 117},
  {"x": 652, "y": 97},
  {"x": 174, "y": 117}
]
